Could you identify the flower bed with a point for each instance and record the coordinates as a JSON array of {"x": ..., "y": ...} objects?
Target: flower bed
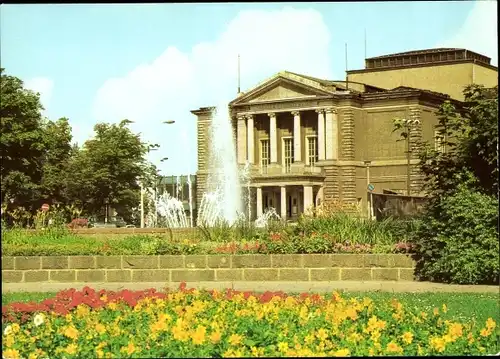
[{"x": 211, "y": 324}]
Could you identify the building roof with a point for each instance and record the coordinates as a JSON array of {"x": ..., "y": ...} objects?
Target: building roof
[{"x": 417, "y": 52}]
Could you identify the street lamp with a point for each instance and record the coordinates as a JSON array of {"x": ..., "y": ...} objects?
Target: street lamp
[
  {"x": 369, "y": 198},
  {"x": 408, "y": 124}
]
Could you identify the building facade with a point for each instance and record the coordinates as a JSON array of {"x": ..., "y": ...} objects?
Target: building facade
[{"x": 310, "y": 140}]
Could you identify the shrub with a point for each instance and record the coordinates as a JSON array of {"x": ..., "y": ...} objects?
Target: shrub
[{"x": 458, "y": 239}]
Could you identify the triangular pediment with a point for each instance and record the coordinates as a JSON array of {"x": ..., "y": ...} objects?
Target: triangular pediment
[{"x": 282, "y": 87}]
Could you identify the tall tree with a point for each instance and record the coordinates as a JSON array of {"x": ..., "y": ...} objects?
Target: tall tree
[
  {"x": 107, "y": 169},
  {"x": 22, "y": 143}
]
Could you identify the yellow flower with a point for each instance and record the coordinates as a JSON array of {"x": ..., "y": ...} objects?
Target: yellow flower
[
  {"x": 420, "y": 351},
  {"x": 71, "y": 349},
  {"x": 129, "y": 349},
  {"x": 101, "y": 329},
  {"x": 407, "y": 337},
  {"x": 436, "y": 311},
  {"x": 455, "y": 330},
  {"x": 112, "y": 305},
  {"x": 10, "y": 354},
  {"x": 342, "y": 353},
  {"x": 282, "y": 346},
  {"x": 9, "y": 341},
  {"x": 198, "y": 336},
  {"x": 445, "y": 308},
  {"x": 215, "y": 337},
  {"x": 15, "y": 328},
  {"x": 39, "y": 319},
  {"x": 375, "y": 336},
  {"x": 490, "y": 324},
  {"x": 423, "y": 315},
  {"x": 309, "y": 339},
  {"x": 8, "y": 330},
  {"x": 470, "y": 338},
  {"x": 394, "y": 348},
  {"x": 235, "y": 339},
  {"x": 322, "y": 334},
  {"x": 485, "y": 332},
  {"x": 438, "y": 344},
  {"x": 71, "y": 332},
  {"x": 257, "y": 352}
]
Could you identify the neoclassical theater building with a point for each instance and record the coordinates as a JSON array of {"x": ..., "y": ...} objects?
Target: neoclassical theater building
[{"x": 310, "y": 140}]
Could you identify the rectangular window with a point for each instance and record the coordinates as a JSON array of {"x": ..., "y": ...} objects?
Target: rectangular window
[
  {"x": 312, "y": 151},
  {"x": 439, "y": 140},
  {"x": 287, "y": 153},
  {"x": 264, "y": 155}
]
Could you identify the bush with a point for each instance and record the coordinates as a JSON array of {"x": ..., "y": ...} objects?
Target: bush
[{"x": 457, "y": 241}]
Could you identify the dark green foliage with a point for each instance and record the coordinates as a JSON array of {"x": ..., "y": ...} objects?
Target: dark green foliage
[{"x": 457, "y": 241}]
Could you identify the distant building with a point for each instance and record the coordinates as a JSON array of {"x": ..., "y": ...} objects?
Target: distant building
[{"x": 307, "y": 139}]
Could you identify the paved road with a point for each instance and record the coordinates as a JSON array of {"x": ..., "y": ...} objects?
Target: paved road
[{"x": 319, "y": 287}]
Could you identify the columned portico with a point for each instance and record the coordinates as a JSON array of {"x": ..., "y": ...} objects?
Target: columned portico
[
  {"x": 250, "y": 140},
  {"x": 273, "y": 138},
  {"x": 283, "y": 203},
  {"x": 241, "y": 140},
  {"x": 297, "y": 151},
  {"x": 259, "y": 202},
  {"x": 331, "y": 129},
  {"x": 321, "y": 135}
]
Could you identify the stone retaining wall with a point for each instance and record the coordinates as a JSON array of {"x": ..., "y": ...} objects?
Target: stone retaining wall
[{"x": 194, "y": 268}]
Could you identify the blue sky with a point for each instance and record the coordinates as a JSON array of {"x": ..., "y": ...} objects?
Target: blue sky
[{"x": 156, "y": 62}]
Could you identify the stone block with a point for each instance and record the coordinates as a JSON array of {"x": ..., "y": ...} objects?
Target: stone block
[
  {"x": 192, "y": 275},
  {"x": 172, "y": 261},
  {"x": 23, "y": 263},
  {"x": 111, "y": 262},
  {"x": 355, "y": 274},
  {"x": 287, "y": 260},
  {"x": 91, "y": 275},
  {"x": 376, "y": 260},
  {"x": 150, "y": 275},
  {"x": 229, "y": 274},
  {"x": 325, "y": 274},
  {"x": 62, "y": 275},
  {"x": 251, "y": 261},
  {"x": 36, "y": 276},
  {"x": 140, "y": 262},
  {"x": 11, "y": 276},
  {"x": 347, "y": 261},
  {"x": 219, "y": 261},
  {"x": 195, "y": 261},
  {"x": 82, "y": 262},
  {"x": 406, "y": 274},
  {"x": 118, "y": 275},
  {"x": 317, "y": 260},
  {"x": 58, "y": 262},
  {"x": 7, "y": 263},
  {"x": 400, "y": 261},
  {"x": 385, "y": 273},
  {"x": 293, "y": 274},
  {"x": 260, "y": 274}
]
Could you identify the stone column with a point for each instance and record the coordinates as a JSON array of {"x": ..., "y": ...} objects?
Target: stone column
[
  {"x": 273, "y": 143},
  {"x": 308, "y": 198},
  {"x": 297, "y": 137},
  {"x": 259, "y": 201},
  {"x": 283, "y": 202},
  {"x": 331, "y": 129},
  {"x": 241, "y": 139},
  {"x": 250, "y": 140},
  {"x": 416, "y": 179},
  {"x": 321, "y": 135}
]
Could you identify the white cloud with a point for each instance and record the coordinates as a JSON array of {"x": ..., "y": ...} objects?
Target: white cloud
[
  {"x": 44, "y": 86},
  {"x": 175, "y": 83},
  {"x": 479, "y": 31}
]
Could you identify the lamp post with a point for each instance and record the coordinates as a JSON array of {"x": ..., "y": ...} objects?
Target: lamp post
[
  {"x": 369, "y": 197},
  {"x": 167, "y": 122},
  {"x": 408, "y": 123}
]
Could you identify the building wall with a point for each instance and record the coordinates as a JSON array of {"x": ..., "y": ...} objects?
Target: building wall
[{"x": 444, "y": 78}]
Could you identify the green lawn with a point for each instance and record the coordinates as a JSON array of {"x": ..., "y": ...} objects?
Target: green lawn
[{"x": 461, "y": 306}]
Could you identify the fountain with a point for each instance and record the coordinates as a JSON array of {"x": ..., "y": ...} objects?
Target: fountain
[
  {"x": 269, "y": 214},
  {"x": 190, "y": 193},
  {"x": 172, "y": 211}
]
